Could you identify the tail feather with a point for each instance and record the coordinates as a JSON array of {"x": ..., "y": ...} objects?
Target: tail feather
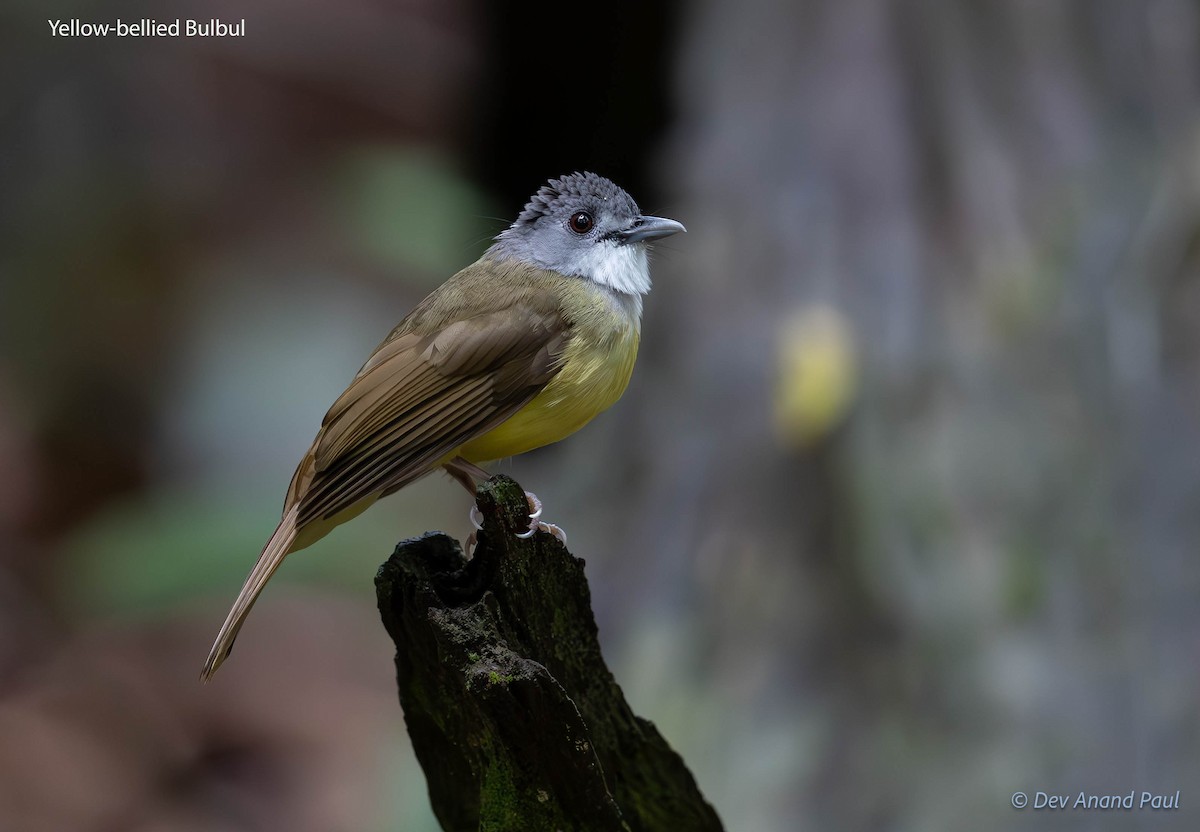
[{"x": 277, "y": 548}]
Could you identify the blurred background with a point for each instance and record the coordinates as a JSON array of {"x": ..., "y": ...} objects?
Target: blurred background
[{"x": 901, "y": 511}]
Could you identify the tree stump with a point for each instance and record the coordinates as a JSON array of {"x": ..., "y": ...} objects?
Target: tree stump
[{"x": 514, "y": 717}]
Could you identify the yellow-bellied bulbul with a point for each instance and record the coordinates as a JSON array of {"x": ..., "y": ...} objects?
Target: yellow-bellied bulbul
[{"x": 518, "y": 350}]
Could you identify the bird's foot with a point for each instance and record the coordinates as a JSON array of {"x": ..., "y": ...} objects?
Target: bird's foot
[
  {"x": 535, "y": 513},
  {"x": 535, "y": 523}
]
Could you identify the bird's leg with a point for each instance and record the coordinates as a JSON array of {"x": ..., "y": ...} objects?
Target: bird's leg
[{"x": 468, "y": 475}]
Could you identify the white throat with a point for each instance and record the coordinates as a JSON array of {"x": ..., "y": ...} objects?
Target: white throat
[{"x": 623, "y": 268}]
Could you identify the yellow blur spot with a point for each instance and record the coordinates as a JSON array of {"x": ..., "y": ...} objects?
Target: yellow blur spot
[{"x": 817, "y": 375}]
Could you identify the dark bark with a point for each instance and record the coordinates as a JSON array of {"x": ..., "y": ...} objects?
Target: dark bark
[{"x": 513, "y": 714}]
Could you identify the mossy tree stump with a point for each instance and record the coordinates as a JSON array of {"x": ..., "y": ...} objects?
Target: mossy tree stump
[{"x": 514, "y": 717}]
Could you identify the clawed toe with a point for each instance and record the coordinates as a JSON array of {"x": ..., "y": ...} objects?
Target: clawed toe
[
  {"x": 535, "y": 507},
  {"x": 535, "y": 513},
  {"x": 476, "y": 518},
  {"x": 549, "y": 528},
  {"x": 554, "y": 530}
]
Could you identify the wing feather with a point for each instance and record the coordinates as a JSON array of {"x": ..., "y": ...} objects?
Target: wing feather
[{"x": 420, "y": 397}]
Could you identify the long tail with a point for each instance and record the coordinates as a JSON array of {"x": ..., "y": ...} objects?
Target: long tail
[{"x": 273, "y": 553}]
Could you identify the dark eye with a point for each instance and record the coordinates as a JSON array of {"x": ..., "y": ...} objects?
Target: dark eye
[{"x": 581, "y": 222}]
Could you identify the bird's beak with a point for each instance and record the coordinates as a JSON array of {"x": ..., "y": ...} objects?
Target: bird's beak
[{"x": 650, "y": 228}]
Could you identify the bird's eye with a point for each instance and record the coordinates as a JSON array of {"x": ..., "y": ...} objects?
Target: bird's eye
[{"x": 581, "y": 222}]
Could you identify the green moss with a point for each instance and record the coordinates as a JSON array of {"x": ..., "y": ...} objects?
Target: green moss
[{"x": 500, "y": 801}]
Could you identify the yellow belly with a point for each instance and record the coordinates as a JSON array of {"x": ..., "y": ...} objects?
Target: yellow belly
[{"x": 591, "y": 380}]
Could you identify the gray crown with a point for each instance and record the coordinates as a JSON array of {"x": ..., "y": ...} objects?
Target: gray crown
[{"x": 573, "y": 189}]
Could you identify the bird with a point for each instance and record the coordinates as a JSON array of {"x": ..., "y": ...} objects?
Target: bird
[{"x": 518, "y": 350}]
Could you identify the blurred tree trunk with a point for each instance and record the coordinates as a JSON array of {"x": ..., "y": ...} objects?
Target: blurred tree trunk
[{"x": 1000, "y": 200}]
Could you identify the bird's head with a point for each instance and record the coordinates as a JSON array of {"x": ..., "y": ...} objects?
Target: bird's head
[{"x": 583, "y": 225}]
